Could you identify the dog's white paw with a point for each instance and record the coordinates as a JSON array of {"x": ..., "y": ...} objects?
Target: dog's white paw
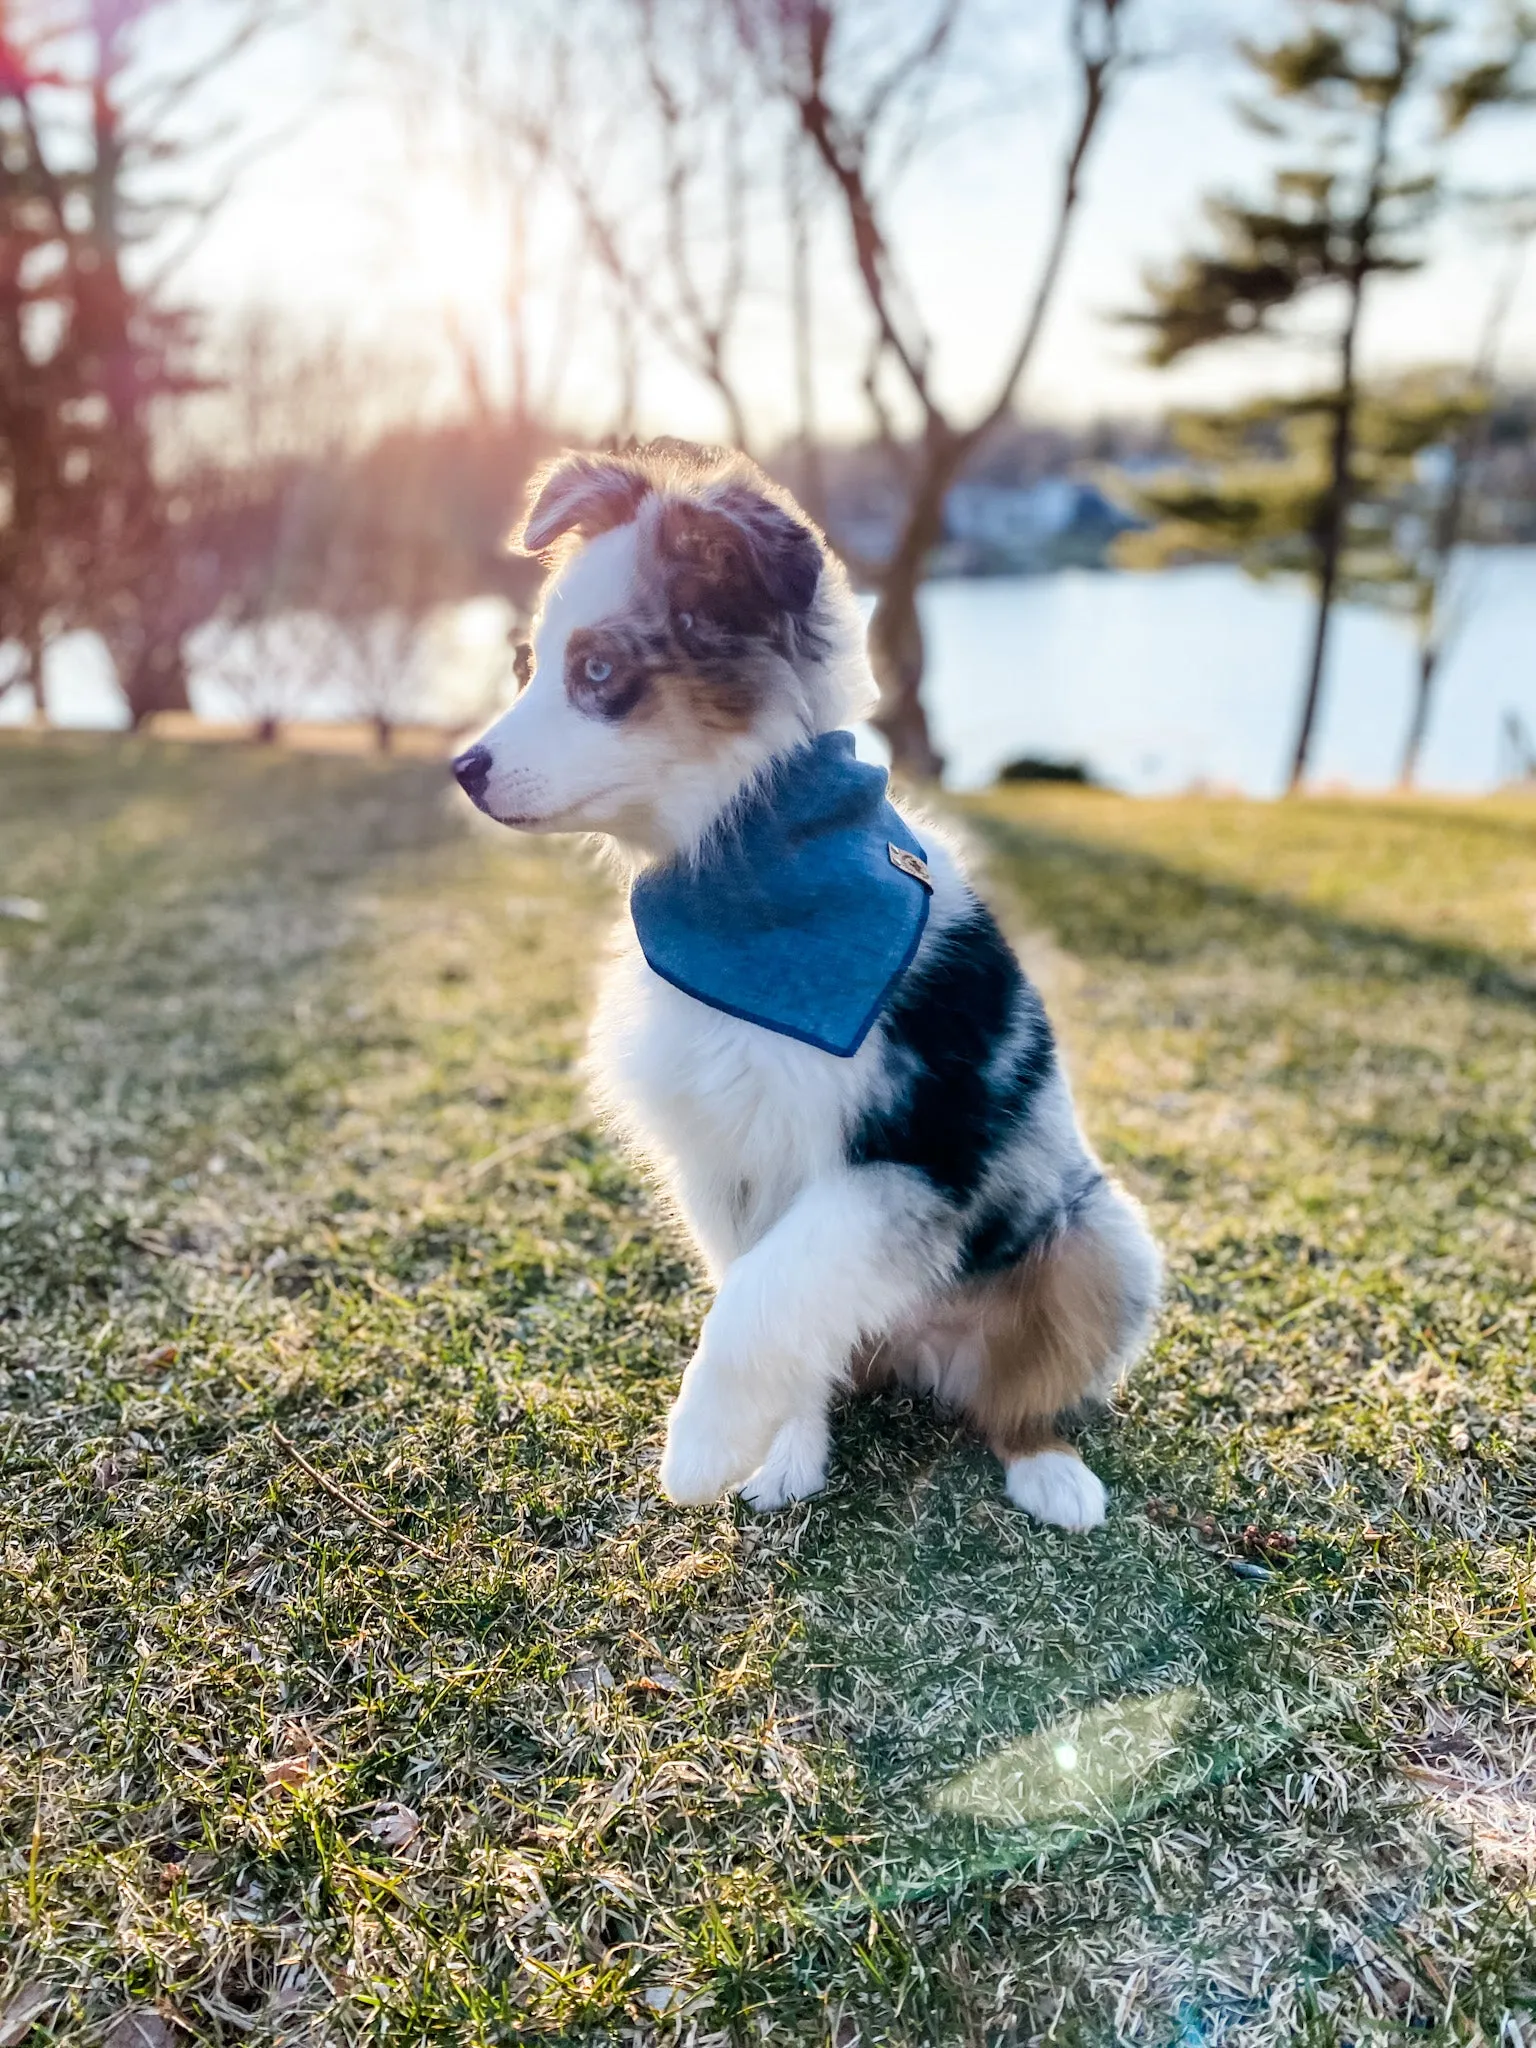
[
  {"x": 703, "y": 1459},
  {"x": 795, "y": 1467},
  {"x": 1057, "y": 1487}
]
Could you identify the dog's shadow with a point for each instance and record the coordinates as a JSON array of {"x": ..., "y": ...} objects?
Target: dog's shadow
[{"x": 1001, "y": 1689}]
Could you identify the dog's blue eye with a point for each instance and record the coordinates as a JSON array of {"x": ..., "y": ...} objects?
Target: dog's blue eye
[{"x": 598, "y": 670}]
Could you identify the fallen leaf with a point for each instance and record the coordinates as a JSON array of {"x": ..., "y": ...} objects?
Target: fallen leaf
[
  {"x": 654, "y": 1681},
  {"x": 298, "y": 1760},
  {"x": 287, "y": 1774},
  {"x": 674, "y": 2001},
  {"x": 142, "y": 2028},
  {"x": 592, "y": 1679},
  {"x": 395, "y": 1825},
  {"x": 22, "y": 2010}
]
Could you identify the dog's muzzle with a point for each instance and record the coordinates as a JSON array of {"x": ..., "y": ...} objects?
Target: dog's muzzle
[{"x": 473, "y": 771}]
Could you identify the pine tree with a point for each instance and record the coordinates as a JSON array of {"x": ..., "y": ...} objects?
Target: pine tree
[{"x": 1284, "y": 484}]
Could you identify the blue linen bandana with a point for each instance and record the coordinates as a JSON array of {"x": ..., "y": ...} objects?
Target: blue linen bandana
[{"x": 803, "y": 907}]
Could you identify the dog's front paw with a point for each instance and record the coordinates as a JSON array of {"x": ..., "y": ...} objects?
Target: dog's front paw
[
  {"x": 700, "y": 1462},
  {"x": 1057, "y": 1487},
  {"x": 795, "y": 1467}
]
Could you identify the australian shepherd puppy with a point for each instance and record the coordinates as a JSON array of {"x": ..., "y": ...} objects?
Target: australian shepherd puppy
[{"x": 920, "y": 1205}]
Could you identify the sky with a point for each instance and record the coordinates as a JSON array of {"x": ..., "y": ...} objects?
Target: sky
[{"x": 363, "y": 219}]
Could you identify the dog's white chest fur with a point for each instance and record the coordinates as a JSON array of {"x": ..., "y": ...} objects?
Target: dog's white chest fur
[{"x": 738, "y": 1118}]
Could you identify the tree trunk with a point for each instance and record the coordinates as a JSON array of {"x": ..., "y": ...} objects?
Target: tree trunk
[
  {"x": 1437, "y": 628},
  {"x": 155, "y": 681},
  {"x": 383, "y": 733},
  {"x": 896, "y": 654},
  {"x": 266, "y": 731},
  {"x": 1327, "y": 585},
  {"x": 1418, "y": 726},
  {"x": 1341, "y": 482},
  {"x": 810, "y": 476},
  {"x": 1331, "y": 540},
  {"x": 896, "y": 649},
  {"x": 34, "y": 674}
]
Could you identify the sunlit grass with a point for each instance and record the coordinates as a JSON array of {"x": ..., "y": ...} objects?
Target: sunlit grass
[{"x": 472, "y": 1738}]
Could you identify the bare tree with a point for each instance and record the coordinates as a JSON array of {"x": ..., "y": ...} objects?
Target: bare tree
[
  {"x": 43, "y": 377},
  {"x": 666, "y": 229},
  {"x": 129, "y": 181},
  {"x": 269, "y": 659},
  {"x": 847, "y": 125},
  {"x": 386, "y": 571},
  {"x": 1439, "y": 613},
  {"x": 810, "y": 477},
  {"x": 254, "y": 472}
]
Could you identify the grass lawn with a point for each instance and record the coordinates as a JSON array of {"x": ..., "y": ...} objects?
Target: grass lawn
[{"x": 355, "y": 1682}]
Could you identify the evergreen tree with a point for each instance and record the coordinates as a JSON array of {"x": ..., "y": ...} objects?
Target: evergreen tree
[{"x": 1356, "y": 85}]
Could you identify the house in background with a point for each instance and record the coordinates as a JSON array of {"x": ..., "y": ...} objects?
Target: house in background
[
  {"x": 999, "y": 529},
  {"x": 992, "y": 526}
]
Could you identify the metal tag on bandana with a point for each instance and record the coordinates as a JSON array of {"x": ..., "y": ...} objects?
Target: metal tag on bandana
[{"x": 910, "y": 865}]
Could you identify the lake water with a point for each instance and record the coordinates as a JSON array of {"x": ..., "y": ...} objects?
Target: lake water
[
  {"x": 1159, "y": 681},
  {"x": 1156, "y": 681}
]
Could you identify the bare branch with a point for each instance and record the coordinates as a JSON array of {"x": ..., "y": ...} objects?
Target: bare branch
[
  {"x": 845, "y": 156},
  {"x": 920, "y": 61},
  {"x": 204, "y": 212},
  {"x": 692, "y": 330},
  {"x": 163, "y": 97},
  {"x": 1097, "y": 48},
  {"x": 351, "y": 1502}
]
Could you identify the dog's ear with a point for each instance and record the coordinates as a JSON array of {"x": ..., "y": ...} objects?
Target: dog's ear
[
  {"x": 583, "y": 494},
  {"x": 740, "y": 558}
]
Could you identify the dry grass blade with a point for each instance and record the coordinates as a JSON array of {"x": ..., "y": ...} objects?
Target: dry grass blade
[
  {"x": 352, "y": 1503},
  {"x": 515, "y": 1148}
]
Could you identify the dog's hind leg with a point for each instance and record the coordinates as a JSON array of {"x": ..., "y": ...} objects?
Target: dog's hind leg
[
  {"x": 1058, "y": 1329},
  {"x": 1054, "y": 1485}
]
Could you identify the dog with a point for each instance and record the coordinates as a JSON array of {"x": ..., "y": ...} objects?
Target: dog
[{"x": 812, "y": 1029}]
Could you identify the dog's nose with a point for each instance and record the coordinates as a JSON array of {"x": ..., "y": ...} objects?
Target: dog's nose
[{"x": 473, "y": 770}]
